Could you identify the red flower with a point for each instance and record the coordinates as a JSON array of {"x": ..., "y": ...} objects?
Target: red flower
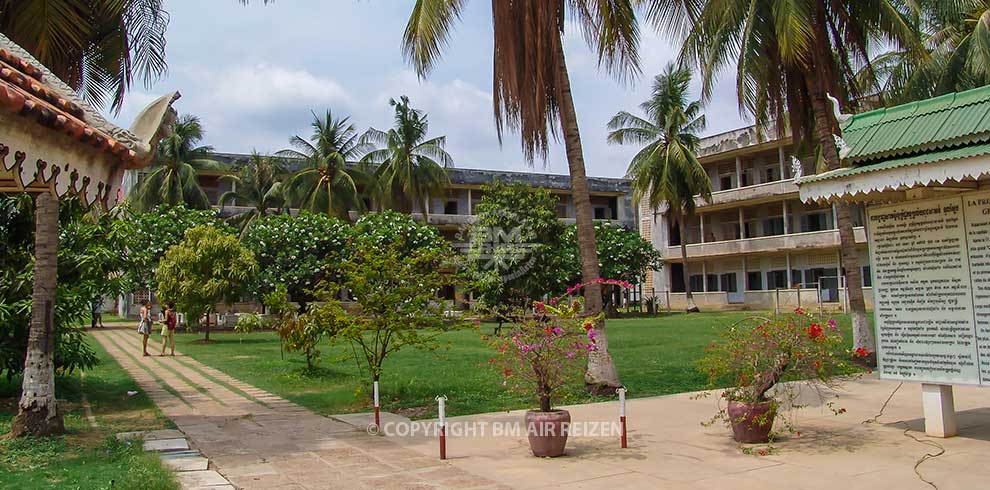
[
  {"x": 861, "y": 352},
  {"x": 589, "y": 326},
  {"x": 507, "y": 372},
  {"x": 799, "y": 311},
  {"x": 491, "y": 360},
  {"x": 817, "y": 365},
  {"x": 815, "y": 331}
]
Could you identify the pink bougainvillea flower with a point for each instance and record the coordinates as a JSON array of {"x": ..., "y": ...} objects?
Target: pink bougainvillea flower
[
  {"x": 553, "y": 301},
  {"x": 540, "y": 306},
  {"x": 571, "y": 354},
  {"x": 831, "y": 322},
  {"x": 558, "y": 330}
]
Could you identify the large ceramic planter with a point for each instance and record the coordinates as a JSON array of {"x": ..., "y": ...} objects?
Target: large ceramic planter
[
  {"x": 548, "y": 432},
  {"x": 751, "y": 422}
]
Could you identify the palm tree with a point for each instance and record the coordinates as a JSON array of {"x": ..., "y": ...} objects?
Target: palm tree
[
  {"x": 955, "y": 35},
  {"x": 408, "y": 168},
  {"x": 328, "y": 183},
  {"x": 258, "y": 186},
  {"x": 532, "y": 94},
  {"x": 96, "y": 46},
  {"x": 788, "y": 57},
  {"x": 666, "y": 169},
  {"x": 171, "y": 179}
]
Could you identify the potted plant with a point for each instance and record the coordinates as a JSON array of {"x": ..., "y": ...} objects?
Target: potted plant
[
  {"x": 764, "y": 361},
  {"x": 545, "y": 350}
]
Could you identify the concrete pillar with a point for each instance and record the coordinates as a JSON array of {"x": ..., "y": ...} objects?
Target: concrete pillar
[
  {"x": 701, "y": 221},
  {"x": 742, "y": 224},
  {"x": 780, "y": 159},
  {"x": 789, "y": 283},
  {"x": 940, "y": 410},
  {"x": 704, "y": 276},
  {"x": 787, "y": 219},
  {"x": 469, "y": 210},
  {"x": 745, "y": 275},
  {"x": 835, "y": 218},
  {"x": 738, "y": 172}
]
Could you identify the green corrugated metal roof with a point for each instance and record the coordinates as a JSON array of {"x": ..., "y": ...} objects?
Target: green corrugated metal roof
[
  {"x": 951, "y": 120},
  {"x": 919, "y": 159}
]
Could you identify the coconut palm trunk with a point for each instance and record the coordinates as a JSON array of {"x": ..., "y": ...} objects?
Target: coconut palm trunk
[
  {"x": 601, "y": 377},
  {"x": 862, "y": 332},
  {"x": 688, "y": 295},
  {"x": 37, "y": 413}
]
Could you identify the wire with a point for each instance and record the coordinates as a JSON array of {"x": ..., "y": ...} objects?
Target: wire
[{"x": 883, "y": 407}]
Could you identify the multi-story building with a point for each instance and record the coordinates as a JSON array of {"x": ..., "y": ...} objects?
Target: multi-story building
[
  {"x": 755, "y": 244},
  {"x": 452, "y": 213}
]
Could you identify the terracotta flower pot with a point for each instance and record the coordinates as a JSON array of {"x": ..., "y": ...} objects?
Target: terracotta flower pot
[
  {"x": 548, "y": 432},
  {"x": 751, "y": 422}
]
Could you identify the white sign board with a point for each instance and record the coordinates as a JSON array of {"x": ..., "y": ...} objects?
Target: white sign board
[{"x": 931, "y": 285}]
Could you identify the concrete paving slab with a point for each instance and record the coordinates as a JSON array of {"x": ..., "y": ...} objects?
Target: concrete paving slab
[
  {"x": 191, "y": 463},
  {"x": 198, "y": 479},
  {"x": 166, "y": 445},
  {"x": 151, "y": 435}
]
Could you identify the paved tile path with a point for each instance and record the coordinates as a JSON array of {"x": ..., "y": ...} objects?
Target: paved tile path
[{"x": 258, "y": 440}]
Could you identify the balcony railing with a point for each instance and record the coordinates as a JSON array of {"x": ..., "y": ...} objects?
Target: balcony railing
[
  {"x": 794, "y": 242},
  {"x": 757, "y": 192}
]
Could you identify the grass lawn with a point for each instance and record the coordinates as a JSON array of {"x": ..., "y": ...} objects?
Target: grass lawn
[
  {"x": 654, "y": 356},
  {"x": 87, "y": 457}
]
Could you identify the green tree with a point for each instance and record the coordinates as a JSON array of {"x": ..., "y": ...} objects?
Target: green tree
[
  {"x": 98, "y": 47},
  {"x": 515, "y": 248},
  {"x": 396, "y": 293},
  {"x": 143, "y": 238},
  {"x": 329, "y": 182},
  {"x": 955, "y": 54},
  {"x": 297, "y": 253},
  {"x": 532, "y": 94},
  {"x": 666, "y": 171},
  {"x": 207, "y": 268},
  {"x": 788, "y": 58},
  {"x": 386, "y": 229},
  {"x": 258, "y": 186},
  {"x": 408, "y": 168},
  {"x": 171, "y": 178},
  {"x": 625, "y": 255}
]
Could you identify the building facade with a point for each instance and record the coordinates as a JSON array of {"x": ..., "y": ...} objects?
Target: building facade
[{"x": 755, "y": 244}]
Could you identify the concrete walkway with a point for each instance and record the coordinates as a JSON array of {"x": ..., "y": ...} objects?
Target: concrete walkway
[
  {"x": 670, "y": 449},
  {"x": 258, "y": 440}
]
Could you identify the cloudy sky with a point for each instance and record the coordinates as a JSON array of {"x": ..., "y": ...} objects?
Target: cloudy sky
[{"x": 254, "y": 74}]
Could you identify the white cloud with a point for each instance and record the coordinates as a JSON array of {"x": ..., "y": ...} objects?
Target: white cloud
[{"x": 266, "y": 87}]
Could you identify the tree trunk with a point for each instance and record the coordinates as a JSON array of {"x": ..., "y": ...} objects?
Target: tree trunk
[
  {"x": 862, "y": 332},
  {"x": 601, "y": 377},
  {"x": 37, "y": 413},
  {"x": 688, "y": 295},
  {"x": 207, "y": 339}
]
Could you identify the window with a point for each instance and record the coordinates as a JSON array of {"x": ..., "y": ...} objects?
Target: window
[
  {"x": 777, "y": 279},
  {"x": 697, "y": 282},
  {"x": 745, "y": 179},
  {"x": 750, "y": 229},
  {"x": 729, "y": 282},
  {"x": 561, "y": 210},
  {"x": 754, "y": 281},
  {"x": 867, "y": 278},
  {"x": 816, "y": 221},
  {"x": 770, "y": 174},
  {"x": 773, "y": 226},
  {"x": 601, "y": 213},
  {"x": 795, "y": 278},
  {"x": 450, "y": 207},
  {"x": 725, "y": 182},
  {"x": 712, "y": 280}
]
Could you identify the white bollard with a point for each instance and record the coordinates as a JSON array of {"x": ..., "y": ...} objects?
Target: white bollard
[
  {"x": 378, "y": 419},
  {"x": 622, "y": 413},
  {"x": 441, "y": 410}
]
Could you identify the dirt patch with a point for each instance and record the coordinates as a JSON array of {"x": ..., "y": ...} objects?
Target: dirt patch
[
  {"x": 417, "y": 412},
  {"x": 243, "y": 357}
]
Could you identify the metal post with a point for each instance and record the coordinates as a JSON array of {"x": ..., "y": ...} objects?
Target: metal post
[
  {"x": 441, "y": 409},
  {"x": 378, "y": 419},
  {"x": 622, "y": 414}
]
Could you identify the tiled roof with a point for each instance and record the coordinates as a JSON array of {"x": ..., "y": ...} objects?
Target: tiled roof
[
  {"x": 919, "y": 159},
  {"x": 30, "y": 91},
  {"x": 950, "y": 121},
  {"x": 470, "y": 176}
]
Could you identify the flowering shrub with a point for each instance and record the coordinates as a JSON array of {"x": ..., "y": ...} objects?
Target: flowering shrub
[
  {"x": 546, "y": 348},
  {"x": 754, "y": 356}
]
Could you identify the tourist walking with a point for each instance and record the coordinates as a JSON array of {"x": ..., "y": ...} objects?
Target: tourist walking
[
  {"x": 96, "y": 309},
  {"x": 144, "y": 327},
  {"x": 168, "y": 329}
]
